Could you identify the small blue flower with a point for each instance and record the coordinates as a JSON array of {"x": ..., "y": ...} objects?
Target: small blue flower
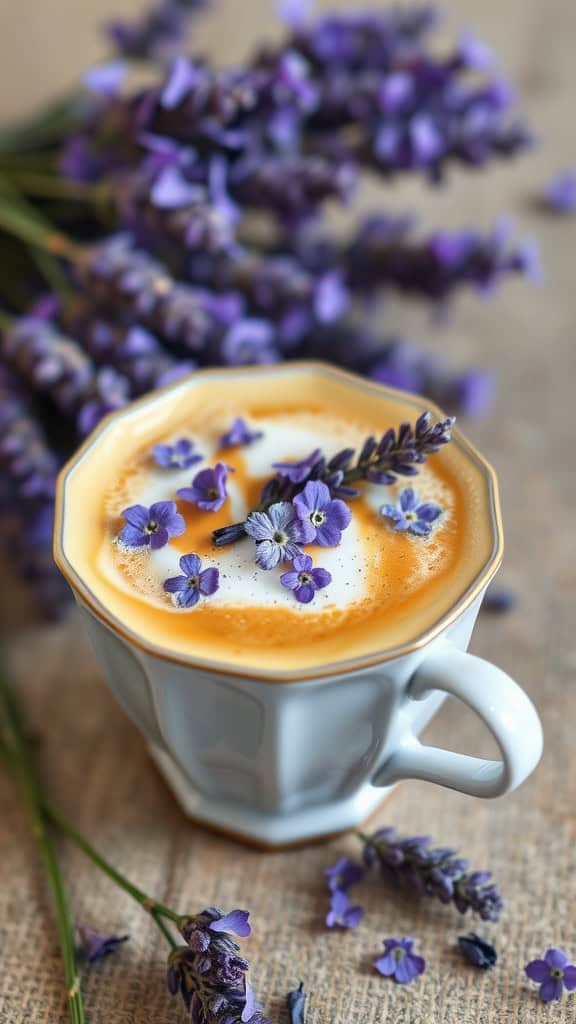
[
  {"x": 304, "y": 580},
  {"x": 180, "y": 455},
  {"x": 195, "y": 582},
  {"x": 341, "y": 913},
  {"x": 554, "y": 974},
  {"x": 399, "y": 962},
  {"x": 151, "y": 527},
  {"x": 94, "y": 946},
  {"x": 208, "y": 488},
  {"x": 278, "y": 534},
  {"x": 323, "y": 516},
  {"x": 410, "y": 515},
  {"x": 239, "y": 434}
]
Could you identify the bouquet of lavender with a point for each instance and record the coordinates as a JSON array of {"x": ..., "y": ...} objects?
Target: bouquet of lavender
[{"x": 183, "y": 224}]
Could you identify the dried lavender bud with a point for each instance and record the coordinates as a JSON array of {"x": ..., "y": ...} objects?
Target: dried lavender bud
[
  {"x": 433, "y": 872},
  {"x": 209, "y": 973},
  {"x": 25, "y": 456},
  {"x": 133, "y": 351},
  {"x": 121, "y": 276},
  {"x": 292, "y": 187},
  {"x": 57, "y": 366},
  {"x": 296, "y": 1001}
]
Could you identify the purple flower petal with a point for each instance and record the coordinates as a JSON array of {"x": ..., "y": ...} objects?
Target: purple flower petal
[
  {"x": 188, "y": 597},
  {"x": 537, "y": 970},
  {"x": 258, "y": 526},
  {"x": 556, "y": 957},
  {"x": 268, "y": 554},
  {"x": 570, "y": 977},
  {"x": 171, "y": 190},
  {"x": 321, "y": 577},
  {"x": 175, "y": 584},
  {"x": 160, "y": 538},
  {"x": 386, "y": 965},
  {"x": 209, "y": 581},
  {"x": 190, "y": 564},
  {"x": 304, "y": 593},
  {"x": 551, "y": 990},
  {"x": 328, "y": 535},
  {"x": 136, "y": 515},
  {"x": 236, "y": 922},
  {"x": 408, "y": 499},
  {"x": 339, "y": 512},
  {"x": 250, "y": 1005},
  {"x": 290, "y": 580},
  {"x": 105, "y": 79},
  {"x": 409, "y": 968},
  {"x": 182, "y": 77}
]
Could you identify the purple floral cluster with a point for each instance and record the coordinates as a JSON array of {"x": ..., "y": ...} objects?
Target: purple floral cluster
[
  {"x": 208, "y": 971},
  {"x": 436, "y": 872}
]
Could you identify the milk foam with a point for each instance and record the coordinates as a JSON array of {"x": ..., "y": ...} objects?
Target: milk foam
[{"x": 242, "y": 583}]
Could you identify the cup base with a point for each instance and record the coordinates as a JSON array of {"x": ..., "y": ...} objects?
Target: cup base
[{"x": 269, "y": 831}]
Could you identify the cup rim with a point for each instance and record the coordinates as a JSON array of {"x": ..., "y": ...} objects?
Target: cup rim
[{"x": 340, "y": 668}]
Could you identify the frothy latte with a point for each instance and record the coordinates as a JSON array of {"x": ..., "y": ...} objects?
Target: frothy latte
[{"x": 387, "y": 586}]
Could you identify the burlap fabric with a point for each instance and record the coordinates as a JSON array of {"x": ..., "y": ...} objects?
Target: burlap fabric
[{"x": 96, "y": 763}]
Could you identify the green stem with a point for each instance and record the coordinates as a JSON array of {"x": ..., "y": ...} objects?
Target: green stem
[
  {"x": 152, "y": 906},
  {"x": 15, "y": 743},
  {"x": 14, "y": 205},
  {"x": 50, "y": 186}
]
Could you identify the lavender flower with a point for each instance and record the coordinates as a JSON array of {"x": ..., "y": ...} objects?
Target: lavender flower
[
  {"x": 304, "y": 580},
  {"x": 326, "y": 515},
  {"x": 560, "y": 193},
  {"x": 95, "y": 946},
  {"x": 399, "y": 962},
  {"x": 410, "y": 515},
  {"x": 341, "y": 913},
  {"x": 194, "y": 583},
  {"x": 343, "y": 874},
  {"x": 239, "y": 434},
  {"x": 57, "y": 366},
  {"x": 208, "y": 488},
  {"x": 477, "y": 951},
  {"x": 209, "y": 973},
  {"x": 159, "y": 32},
  {"x": 554, "y": 974},
  {"x": 180, "y": 455},
  {"x": 298, "y": 472},
  {"x": 433, "y": 872},
  {"x": 25, "y": 457},
  {"x": 278, "y": 534},
  {"x": 151, "y": 527}
]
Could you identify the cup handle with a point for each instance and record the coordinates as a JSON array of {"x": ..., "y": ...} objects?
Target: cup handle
[{"x": 503, "y": 707}]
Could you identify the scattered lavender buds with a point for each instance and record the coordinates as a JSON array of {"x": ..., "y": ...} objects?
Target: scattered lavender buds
[
  {"x": 151, "y": 527},
  {"x": 208, "y": 971},
  {"x": 194, "y": 583},
  {"x": 239, "y": 434},
  {"x": 208, "y": 488},
  {"x": 435, "y": 872},
  {"x": 477, "y": 951},
  {"x": 304, "y": 580},
  {"x": 553, "y": 974},
  {"x": 180, "y": 455},
  {"x": 399, "y": 962},
  {"x": 410, "y": 515},
  {"x": 94, "y": 946}
]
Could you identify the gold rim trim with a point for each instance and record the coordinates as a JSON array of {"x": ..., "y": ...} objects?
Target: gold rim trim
[{"x": 88, "y": 599}]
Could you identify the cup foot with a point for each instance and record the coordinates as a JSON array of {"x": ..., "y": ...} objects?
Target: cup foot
[{"x": 266, "y": 830}]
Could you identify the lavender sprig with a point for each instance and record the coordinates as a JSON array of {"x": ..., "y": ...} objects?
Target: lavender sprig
[
  {"x": 25, "y": 456},
  {"x": 396, "y": 453},
  {"x": 435, "y": 872},
  {"x": 57, "y": 366},
  {"x": 160, "y": 31},
  {"x": 129, "y": 280}
]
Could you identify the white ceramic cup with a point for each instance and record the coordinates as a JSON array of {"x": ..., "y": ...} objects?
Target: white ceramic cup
[{"x": 278, "y": 760}]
